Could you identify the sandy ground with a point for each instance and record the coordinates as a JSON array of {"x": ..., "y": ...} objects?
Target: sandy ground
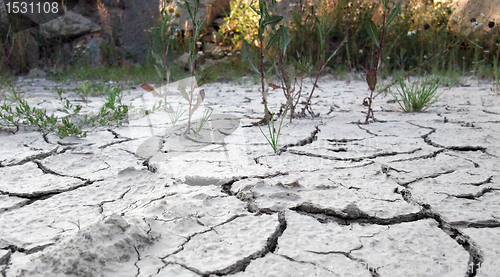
[{"x": 415, "y": 194}]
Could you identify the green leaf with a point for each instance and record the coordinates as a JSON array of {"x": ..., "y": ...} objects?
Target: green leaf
[
  {"x": 189, "y": 10},
  {"x": 199, "y": 26},
  {"x": 246, "y": 56},
  {"x": 273, "y": 39},
  {"x": 393, "y": 14},
  {"x": 273, "y": 4},
  {"x": 300, "y": 66},
  {"x": 272, "y": 20},
  {"x": 263, "y": 9},
  {"x": 254, "y": 9},
  {"x": 284, "y": 38},
  {"x": 372, "y": 31}
]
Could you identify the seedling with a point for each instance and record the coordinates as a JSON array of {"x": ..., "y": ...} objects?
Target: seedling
[
  {"x": 274, "y": 135},
  {"x": 85, "y": 91},
  {"x": 206, "y": 115},
  {"x": 175, "y": 115}
]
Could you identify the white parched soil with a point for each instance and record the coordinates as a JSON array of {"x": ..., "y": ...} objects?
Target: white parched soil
[{"x": 413, "y": 194}]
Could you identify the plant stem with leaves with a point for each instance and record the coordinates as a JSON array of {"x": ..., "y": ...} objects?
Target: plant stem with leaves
[
  {"x": 265, "y": 19},
  {"x": 192, "y": 61},
  {"x": 371, "y": 76}
]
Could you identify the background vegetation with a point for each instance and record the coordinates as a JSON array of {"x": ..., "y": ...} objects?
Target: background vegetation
[
  {"x": 267, "y": 40},
  {"x": 424, "y": 36}
]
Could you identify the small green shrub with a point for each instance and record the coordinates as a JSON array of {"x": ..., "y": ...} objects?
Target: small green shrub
[
  {"x": 242, "y": 23},
  {"x": 417, "y": 96}
]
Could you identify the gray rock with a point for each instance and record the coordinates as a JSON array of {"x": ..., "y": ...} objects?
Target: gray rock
[{"x": 69, "y": 25}]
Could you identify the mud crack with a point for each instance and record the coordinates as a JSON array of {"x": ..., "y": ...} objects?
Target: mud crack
[
  {"x": 373, "y": 271},
  {"x": 475, "y": 254},
  {"x": 423, "y": 157},
  {"x": 308, "y": 140},
  {"x": 472, "y": 196},
  {"x": 241, "y": 265},
  {"x": 114, "y": 142},
  {"x": 477, "y": 224},
  {"x": 352, "y": 214},
  {"x": 39, "y": 156},
  {"x": 358, "y": 159},
  {"x": 101, "y": 209},
  {"x": 250, "y": 201},
  {"x": 487, "y": 181},
  {"x": 46, "y": 170},
  {"x": 434, "y": 175},
  {"x": 455, "y": 148}
]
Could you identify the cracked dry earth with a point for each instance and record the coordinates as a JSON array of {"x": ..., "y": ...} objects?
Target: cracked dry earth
[{"x": 416, "y": 194}]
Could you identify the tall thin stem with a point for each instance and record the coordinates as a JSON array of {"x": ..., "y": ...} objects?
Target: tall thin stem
[
  {"x": 375, "y": 69},
  {"x": 262, "y": 77}
]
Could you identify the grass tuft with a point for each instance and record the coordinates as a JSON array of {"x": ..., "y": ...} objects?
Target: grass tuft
[{"x": 416, "y": 97}]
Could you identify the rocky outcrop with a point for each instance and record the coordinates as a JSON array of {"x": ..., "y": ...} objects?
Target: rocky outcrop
[{"x": 69, "y": 25}]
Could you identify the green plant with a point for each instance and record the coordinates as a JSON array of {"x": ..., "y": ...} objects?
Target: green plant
[
  {"x": 322, "y": 28},
  {"x": 371, "y": 76},
  {"x": 175, "y": 115},
  {"x": 192, "y": 61},
  {"x": 279, "y": 37},
  {"x": 77, "y": 224},
  {"x": 206, "y": 115},
  {"x": 163, "y": 38},
  {"x": 417, "y": 96},
  {"x": 242, "y": 22},
  {"x": 85, "y": 91},
  {"x": 16, "y": 111},
  {"x": 274, "y": 135}
]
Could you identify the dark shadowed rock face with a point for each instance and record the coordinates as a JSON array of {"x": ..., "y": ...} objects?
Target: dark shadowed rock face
[{"x": 139, "y": 15}]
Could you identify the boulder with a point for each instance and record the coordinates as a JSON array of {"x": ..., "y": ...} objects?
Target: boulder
[
  {"x": 183, "y": 61},
  {"x": 69, "y": 25}
]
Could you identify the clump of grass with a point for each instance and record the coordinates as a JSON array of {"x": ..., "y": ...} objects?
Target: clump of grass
[
  {"x": 85, "y": 91},
  {"x": 416, "y": 97}
]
